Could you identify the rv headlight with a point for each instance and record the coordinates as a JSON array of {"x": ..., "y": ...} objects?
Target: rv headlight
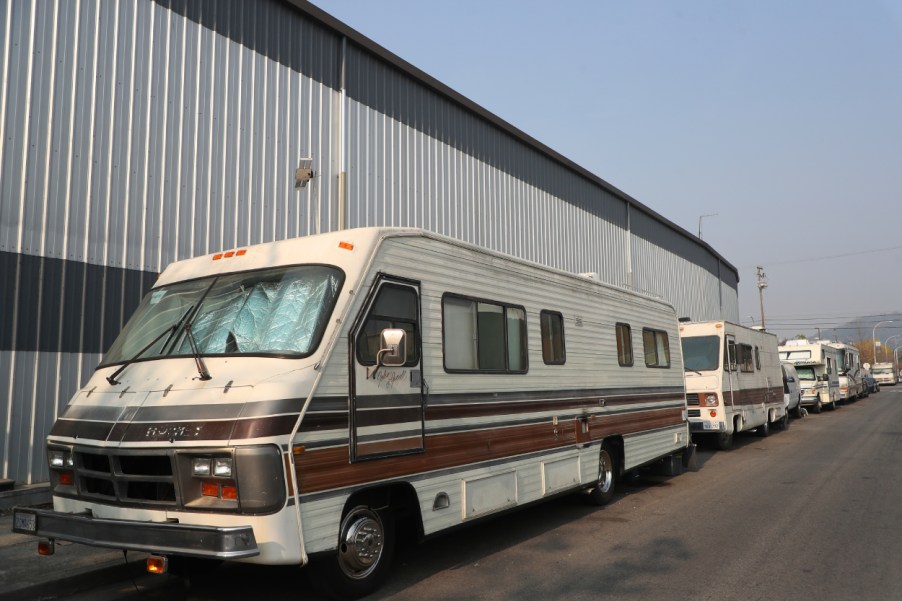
[
  {"x": 711, "y": 399},
  {"x": 60, "y": 458},
  {"x": 222, "y": 467},
  {"x": 200, "y": 466}
]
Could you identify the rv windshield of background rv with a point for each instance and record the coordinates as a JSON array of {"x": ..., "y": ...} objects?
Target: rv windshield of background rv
[
  {"x": 806, "y": 374},
  {"x": 701, "y": 353},
  {"x": 280, "y": 312}
]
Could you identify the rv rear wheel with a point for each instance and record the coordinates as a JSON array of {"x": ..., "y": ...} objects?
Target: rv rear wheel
[
  {"x": 603, "y": 492},
  {"x": 361, "y": 563},
  {"x": 784, "y": 423},
  {"x": 764, "y": 429}
]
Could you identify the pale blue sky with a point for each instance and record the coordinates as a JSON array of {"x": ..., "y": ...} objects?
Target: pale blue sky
[{"x": 782, "y": 116}]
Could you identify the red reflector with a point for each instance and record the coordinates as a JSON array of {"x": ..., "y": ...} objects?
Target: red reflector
[
  {"x": 46, "y": 547},
  {"x": 241, "y": 253},
  {"x": 157, "y": 564},
  {"x": 67, "y": 478},
  {"x": 229, "y": 254},
  {"x": 346, "y": 245},
  {"x": 229, "y": 491},
  {"x": 217, "y": 256},
  {"x": 209, "y": 489}
]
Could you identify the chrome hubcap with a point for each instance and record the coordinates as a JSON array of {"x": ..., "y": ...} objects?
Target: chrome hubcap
[{"x": 362, "y": 543}]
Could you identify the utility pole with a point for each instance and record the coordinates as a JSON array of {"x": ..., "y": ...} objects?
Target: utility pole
[{"x": 762, "y": 284}]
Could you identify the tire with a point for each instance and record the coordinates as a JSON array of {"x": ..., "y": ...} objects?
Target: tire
[
  {"x": 764, "y": 429},
  {"x": 818, "y": 407},
  {"x": 832, "y": 406},
  {"x": 603, "y": 492},
  {"x": 783, "y": 424},
  {"x": 366, "y": 543},
  {"x": 725, "y": 441},
  {"x": 797, "y": 412}
]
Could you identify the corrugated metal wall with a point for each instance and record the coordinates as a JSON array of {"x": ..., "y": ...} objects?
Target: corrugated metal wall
[{"x": 137, "y": 132}]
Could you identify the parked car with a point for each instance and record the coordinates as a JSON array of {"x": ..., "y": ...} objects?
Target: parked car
[
  {"x": 792, "y": 390},
  {"x": 871, "y": 384}
]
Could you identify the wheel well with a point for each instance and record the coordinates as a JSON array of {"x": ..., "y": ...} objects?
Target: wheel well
[
  {"x": 399, "y": 498},
  {"x": 615, "y": 443}
]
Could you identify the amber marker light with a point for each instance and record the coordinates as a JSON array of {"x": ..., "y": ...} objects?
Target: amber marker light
[
  {"x": 346, "y": 245},
  {"x": 217, "y": 256},
  {"x": 209, "y": 489},
  {"x": 229, "y": 491},
  {"x": 46, "y": 547},
  {"x": 713, "y": 413},
  {"x": 157, "y": 564}
]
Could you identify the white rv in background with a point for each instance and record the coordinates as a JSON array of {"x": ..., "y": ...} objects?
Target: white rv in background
[
  {"x": 851, "y": 376},
  {"x": 817, "y": 364},
  {"x": 733, "y": 380},
  {"x": 886, "y": 374}
]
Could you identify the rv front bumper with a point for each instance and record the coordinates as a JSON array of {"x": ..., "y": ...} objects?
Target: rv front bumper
[{"x": 165, "y": 538}]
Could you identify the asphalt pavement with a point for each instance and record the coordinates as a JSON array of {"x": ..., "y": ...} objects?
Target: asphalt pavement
[{"x": 25, "y": 575}]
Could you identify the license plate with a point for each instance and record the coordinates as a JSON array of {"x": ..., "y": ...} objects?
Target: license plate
[
  {"x": 25, "y": 521},
  {"x": 711, "y": 426}
]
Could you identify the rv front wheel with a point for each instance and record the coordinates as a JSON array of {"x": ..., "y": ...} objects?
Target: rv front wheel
[
  {"x": 603, "y": 492},
  {"x": 725, "y": 441},
  {"x": 361, "y": 563}
]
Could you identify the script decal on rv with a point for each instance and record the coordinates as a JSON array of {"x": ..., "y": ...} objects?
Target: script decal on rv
[{"x": 171, "y": 431}]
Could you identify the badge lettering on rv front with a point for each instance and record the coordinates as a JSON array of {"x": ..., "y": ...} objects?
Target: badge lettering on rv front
[{"x": 163, "y": 431}]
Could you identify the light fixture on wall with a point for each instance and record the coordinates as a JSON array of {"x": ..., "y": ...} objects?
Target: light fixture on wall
[{"x": 304, "y": 173}]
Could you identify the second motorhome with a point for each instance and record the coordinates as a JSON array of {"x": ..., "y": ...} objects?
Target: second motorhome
[
  {"x": 733, "y": 380},
  {"x": 817, "y": 364},
  {"x": 300, "y": 401},
  {"x": 851, "y": 376}
]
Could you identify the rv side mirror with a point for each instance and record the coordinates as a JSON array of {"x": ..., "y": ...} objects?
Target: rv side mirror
[{"x": 392, "y": 348}]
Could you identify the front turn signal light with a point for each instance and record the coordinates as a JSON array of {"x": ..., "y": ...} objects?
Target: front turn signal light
[{"x": 157, "y": 564}]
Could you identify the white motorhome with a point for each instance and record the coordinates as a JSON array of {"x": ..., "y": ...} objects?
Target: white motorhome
[
  {"x": 817, "y": 365},
  {"x": 886, "y": 374},
  {"x": 296, "y": 400},
  {"x": 733, "y": 380},
  {"x": 851, "y": 375}
]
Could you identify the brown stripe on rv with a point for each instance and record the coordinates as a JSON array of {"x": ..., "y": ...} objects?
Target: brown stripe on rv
[
  {"x": 753, "y": 396},
  {"x": 325, "y": 469},
  {"x": 484, "y": 409},
  {"x": 74, "y": 428}
]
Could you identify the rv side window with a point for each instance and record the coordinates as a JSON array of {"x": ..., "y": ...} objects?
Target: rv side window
[
  {"x": 483, "y": 336},
  {"x": 553, "y": 350},
  {"x": 656, "y": 346},
  {"x": 395, "y": 307},
  {"x": 729, "y": 356},
  {"x": 757, "y": 359},
  {"x": 624, "y": 345},
  {"x": 744, "y": 358}
]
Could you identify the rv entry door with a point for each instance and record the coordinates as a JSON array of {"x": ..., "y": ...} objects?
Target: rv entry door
[
  {"x": 730, "y": 367},
  {"x": 386, "y": 372}
]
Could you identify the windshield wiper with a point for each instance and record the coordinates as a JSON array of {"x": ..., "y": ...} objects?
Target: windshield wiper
[
  {"x": 695, "y": 370},
  {"x": 198, "y": 360},
  {"x": 112, "y": 377},
  {"x": 170, "y": 330}
]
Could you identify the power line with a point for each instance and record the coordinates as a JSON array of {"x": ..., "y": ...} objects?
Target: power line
[{"x": 828, "y": 257}]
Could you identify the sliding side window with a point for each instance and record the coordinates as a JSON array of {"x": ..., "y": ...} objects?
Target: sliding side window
[
  {"x": 746, "y": 363},
  {"x": 656, "y": 346},
  {"x": 483, "y": 336},
  {"x": 624, "y": 344},
  {"x": 553, "y": 350}
]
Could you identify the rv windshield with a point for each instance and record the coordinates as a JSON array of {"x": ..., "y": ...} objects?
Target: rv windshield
[
  {"x": 279, "y": 311},
  {"x": 806, "y": 374},
  {"x": 701, "y": 353},
  {"x": 881, "y": 370}
]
